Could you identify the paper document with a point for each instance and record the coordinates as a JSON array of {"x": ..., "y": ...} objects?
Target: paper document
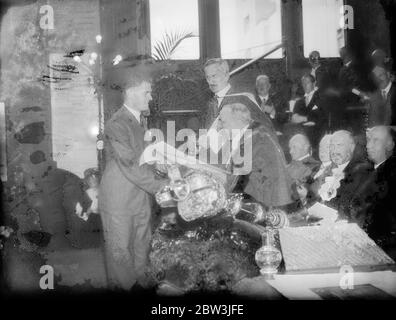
[
  {"x": 163, "y": 153},
  {"x": 305, "y": 286},
  {"x": 319, "y": 210}
]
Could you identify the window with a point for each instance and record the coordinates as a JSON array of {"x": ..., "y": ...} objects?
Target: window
[
  {"x": 321, "y": 25},
  {"x": 249, "y": 28},
  {"x": 174, "y": 20}
]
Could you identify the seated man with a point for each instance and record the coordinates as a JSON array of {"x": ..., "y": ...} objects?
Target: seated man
[
  {"x": 270, "y": 103},
  {"x": 303, "y": 165},
  {"x": 309, "y": 115},
  {"x": 376, "y": 196},
  {"x": 338, "y": 187},
  {"x": 324, "y": 156},
  {"x": 262, "y": 172}
]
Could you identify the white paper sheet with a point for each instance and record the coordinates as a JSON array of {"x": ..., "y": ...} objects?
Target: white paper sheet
[
  {"x": 319, "y": 210},
  {"x": 298, "y": 287}
]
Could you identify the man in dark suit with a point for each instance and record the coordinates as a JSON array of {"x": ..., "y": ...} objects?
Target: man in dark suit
[
  {"x": 309, "y": 113},
  {"x": 318, "y": 71},
  {"x": 217, "y": 76},
  {"x": 351, "y": 166},
  {"x": 338, "y": 186},
  {"x": 270, "y": 103},
  {"x": 303, "y": 165},
  {"x": 348, "y": 78},
  {"x": 126, "y": 188},
  {"x": 385, "y": 110},
  {"x": 261, "y": 172},
  {"x": 375, "y": 203}
]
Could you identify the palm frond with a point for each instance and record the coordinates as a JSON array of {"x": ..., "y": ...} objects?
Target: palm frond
[{"x": 170, "y": 42}]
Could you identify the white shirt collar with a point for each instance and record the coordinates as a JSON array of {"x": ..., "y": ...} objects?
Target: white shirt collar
[
  {"x": 316, "y": 68},
  {"x": 264, "y": 97},
  {"x": 322, "y": 169},
  {"x": 377, "y": 165},
  {"x": 304, "y": 157},
  {"x": 135, "y": 113},
  {"x": 387, "y": 88},
  {"x": 311, "y": 93},
  {"x": 326, "y": 164},
  {"x": 220, "y": 95},
  {"x": 224, "y": 91},
  {"x": 341, "y": 167}
]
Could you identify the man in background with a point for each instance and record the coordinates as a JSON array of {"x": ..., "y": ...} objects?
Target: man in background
[
  {"x": 309, "y": 115},
  {"x": 217, "y": 75},
  {"x": 384, "y": 112},
  {"x": 318, "y": 71},
  {"x": 270, "y": 103}
]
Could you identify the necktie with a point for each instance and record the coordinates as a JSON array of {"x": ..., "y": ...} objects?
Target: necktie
[
  {"x": 307, "y": 100},
  {"x": 216, "y": 105},
  {"x": 384, "y": 94},
  {"x": 143, "y": 122}
]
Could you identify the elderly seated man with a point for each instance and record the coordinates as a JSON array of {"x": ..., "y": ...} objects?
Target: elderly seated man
[
  {"x": 303, "y": 165},
  {"x": 324, "y": 156},
  {"x": 375, "y": 203},
  {"x": 261, "y": 170},
  {"x": 338, "y": 187}
]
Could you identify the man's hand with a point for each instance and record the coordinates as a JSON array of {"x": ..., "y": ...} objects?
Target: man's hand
[
  {"x": 270, "y": 110},
  {"x": 302, "y": 192},
  {"x": 296, "y": 118}
]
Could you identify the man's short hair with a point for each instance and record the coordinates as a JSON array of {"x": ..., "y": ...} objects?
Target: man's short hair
[
  {"x": 303, "y": 139},
  {"x": 325, "y": 139},
  {"x": 389, "y": 135},
  {"x": 262, "y": 77},
  {"x": 222, "y": 64},
  {"x": 348, "y": 135},
  {"x": 136, "y": 78},
  {"x": 309, "y": 76},
  {"x": 240, "y": 111},
  {"x": 314, "y": 52},
  {"x": 136, "y": 75},
  {"x": 377, "y": 69}
]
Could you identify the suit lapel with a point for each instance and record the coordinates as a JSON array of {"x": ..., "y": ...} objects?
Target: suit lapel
[
  {"x": 390, "y": 94},
  {"x": 130, "y": 116},
  {"x": 312, "y": 103},
  {"x": 230, "y": 91}
]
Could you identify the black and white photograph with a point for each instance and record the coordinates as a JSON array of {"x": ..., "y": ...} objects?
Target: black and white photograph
[{"x": 201, "y": 155}]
